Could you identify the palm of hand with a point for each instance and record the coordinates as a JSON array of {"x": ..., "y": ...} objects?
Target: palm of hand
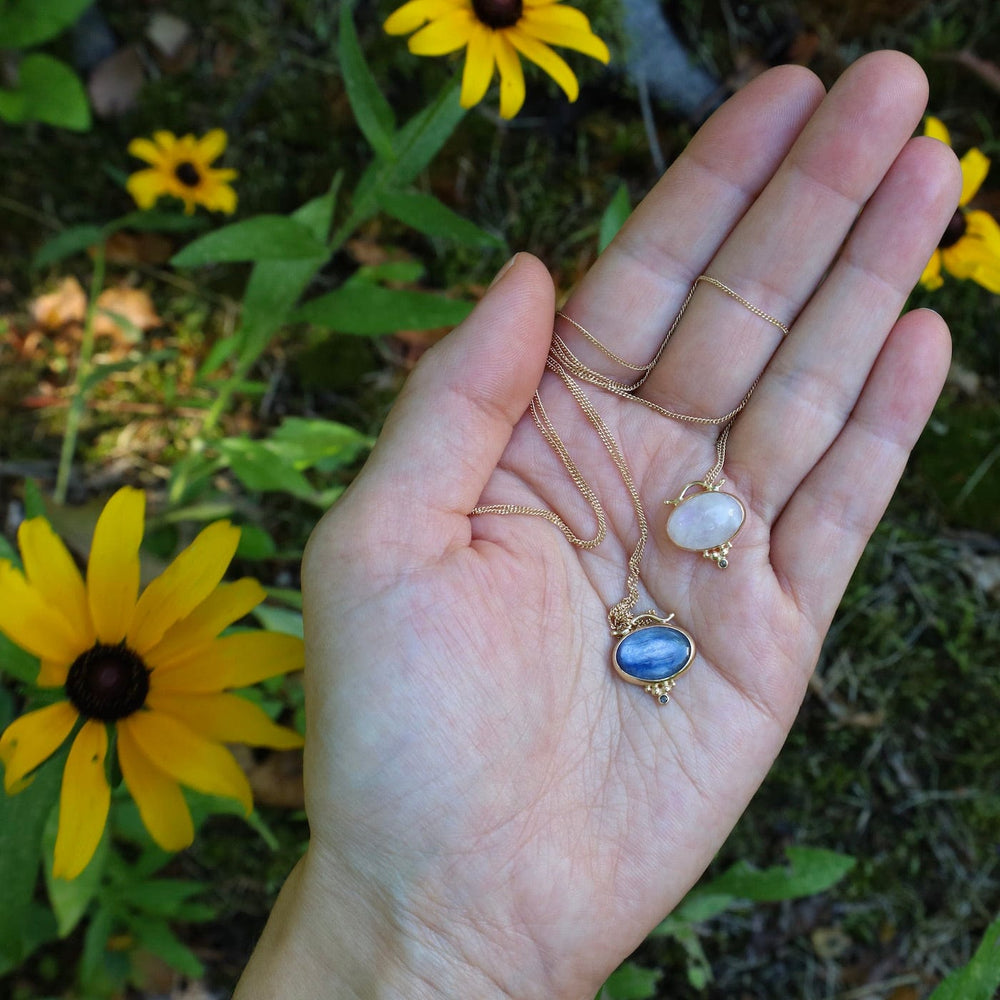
[{"x": 466, "y": 733}]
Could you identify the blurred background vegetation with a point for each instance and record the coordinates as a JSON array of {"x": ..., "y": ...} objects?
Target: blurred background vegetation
[{"x": 895, "y": 758}]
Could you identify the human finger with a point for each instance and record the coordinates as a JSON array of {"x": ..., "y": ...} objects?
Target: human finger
[
  {"x": 455, "y": 414},
  {"x": 820, "y": 534},
  {"x": 779, "y": 251},
  {"x": 630, "y": 295},
  {"x": 814, "y": 380}
]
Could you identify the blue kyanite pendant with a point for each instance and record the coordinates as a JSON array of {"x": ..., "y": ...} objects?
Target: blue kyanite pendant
[{"x": 653, "y": 654}]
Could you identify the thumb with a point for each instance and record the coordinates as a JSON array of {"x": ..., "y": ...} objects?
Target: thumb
[{"x": 453, "y": 419}]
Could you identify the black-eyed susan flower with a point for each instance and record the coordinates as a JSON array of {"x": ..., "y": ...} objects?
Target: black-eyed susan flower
[
  {"x": 495, "y": 33},
  {"x": 182, "y": 167},
  {"x": 970, "y": 247},
  {"x": 150, "y": 669}
]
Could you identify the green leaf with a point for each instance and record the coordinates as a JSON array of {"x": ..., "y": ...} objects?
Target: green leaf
[
  {"x": 255, "y": 543},
  {"x": 700, "y": 904},
  {"x": 980, "y": 979},
  {"x": 369, "y": 310},
  {"x": 404, "y": 271},
  {"x": 70, "y": 898},
  {"x": 155, "y": 936},
  {"x": 159, "y": 897},
  {"x": 260, "y": 469},
  {"x": 16, "y": 662},
  {"x": 433, "y": 218},
  {"x": 264, "y": 237},
  {"x": 317, "y": 213},
  {"x": 417, "y": 142},
  {"x": 631, "y": 982},
  {"x": 30, "y": 22},
  {"x": 811, "y": 870},
  {"x": 293, "y": 598},
  {"x": 425, "y": 133},
  {"x": 279, "y": 619},
  {"x": 307, "y": 442},
  {"x": 272, "y": 291},
  {"x": 22, "y": 820},
  {"x": 34, "y": 500},
  {"x": 371, "y": 110},
  {"x": 47, "y": 91},
  {"x": 65, "y": 244},
  {"x": 614, "y": 217}
]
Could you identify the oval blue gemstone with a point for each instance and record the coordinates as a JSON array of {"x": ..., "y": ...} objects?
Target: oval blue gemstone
[{"x": 654, "y": 653}]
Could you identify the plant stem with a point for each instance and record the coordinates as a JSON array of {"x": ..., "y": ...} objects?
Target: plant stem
[{"x": 78, "y": 401}]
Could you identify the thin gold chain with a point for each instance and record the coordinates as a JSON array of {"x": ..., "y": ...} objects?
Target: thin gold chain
[{"x": 571, "y": 370}]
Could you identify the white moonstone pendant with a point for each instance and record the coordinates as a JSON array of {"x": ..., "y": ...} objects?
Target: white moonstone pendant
[{"x": 705, "y": 522}]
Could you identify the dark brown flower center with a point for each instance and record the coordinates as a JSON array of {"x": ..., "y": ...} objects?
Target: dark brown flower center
[
  {"x": 498, "y": 13},
  {"x": 955, "y": 231},
  {"x": 187, "y": 174},
  {"x": 108, "y": 682}
]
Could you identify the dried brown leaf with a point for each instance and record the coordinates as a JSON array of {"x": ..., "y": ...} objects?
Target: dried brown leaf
[
  {"x": 67, "y": 304},
  {"x": 133, "y": 305}
]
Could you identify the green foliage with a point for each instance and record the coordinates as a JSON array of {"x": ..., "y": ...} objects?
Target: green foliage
[
  {"x": 24, "y": 23},
  {"x": 613, "y": 218},
  {"x": 47, "y": 90},
  {"x": 264, "y": 237},
  {"x": 630, "y": 982},
  {"x": 980, "y": 979},
  {"x": 22, "y": 820},
  {"x": 811, "y": 870}
]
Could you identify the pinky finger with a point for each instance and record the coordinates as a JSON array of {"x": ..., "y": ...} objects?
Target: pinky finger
[{"x": 820, "y": 535}]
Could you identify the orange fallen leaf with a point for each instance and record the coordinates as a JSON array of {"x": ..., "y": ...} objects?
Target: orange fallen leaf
[
  {"x": 67, "y": 304},
  {"x": 124, "y": 312}
]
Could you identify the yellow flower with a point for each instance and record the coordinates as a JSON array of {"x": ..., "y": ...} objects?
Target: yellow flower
[
  {"x": 495, "y": 32},
  {"x": 970, "y": 247},
  {"x": 150, "y": 666},
  {"x": 182, "y": 168}
]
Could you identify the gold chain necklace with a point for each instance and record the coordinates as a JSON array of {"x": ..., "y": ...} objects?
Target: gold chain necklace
[{"x": 651, "y": 651}]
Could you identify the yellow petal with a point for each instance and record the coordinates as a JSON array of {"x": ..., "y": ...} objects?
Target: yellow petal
[
  {"x": 511, "y": 76},
  {"x": 183, "y": 585},
  {"x": 113, "y": 569},
  {"x": 146, "y": 187},
  {"x": 937, "y": 129},
  {"x": 478, "y": 69},
  {"x": 226, "y": 718},
  {"x": 221, "y": 198},
  {"x": 83, "y": 801},
  {"x": 167, "y": 141},
  {"x": 975, "y": 167},
  {"x": 161, "y": 803},
  {"x": 33, "y": 738},
  {"x": 187, "y": 757},
  {"x": 50, "y": 569},
  {"x": 143, "y": 149},
  {"x": 228, "y": 603},
  {"x": 28, "y": 620},
  {"x": 231, "y": 662},
  {"x": 931, "y": 278},
  {"x": 980, "y": 245},
  {"x": 540, "y": 54},
  {"x": 556, "y": 14},
  {"x": 52, "y": 673},
  {"x": 212, "y": 145},
  {"x": 444, "y": 35},
  {"x": 412, "y": 15},
  {"x": 569, "y": 38},
  {"x": 976, "y": 255}
]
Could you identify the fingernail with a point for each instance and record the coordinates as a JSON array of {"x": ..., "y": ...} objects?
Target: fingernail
[{"x": 503, "y": 270}]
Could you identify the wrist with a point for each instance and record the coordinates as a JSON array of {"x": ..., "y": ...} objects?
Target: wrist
[{"x": 330, "y": 937}]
